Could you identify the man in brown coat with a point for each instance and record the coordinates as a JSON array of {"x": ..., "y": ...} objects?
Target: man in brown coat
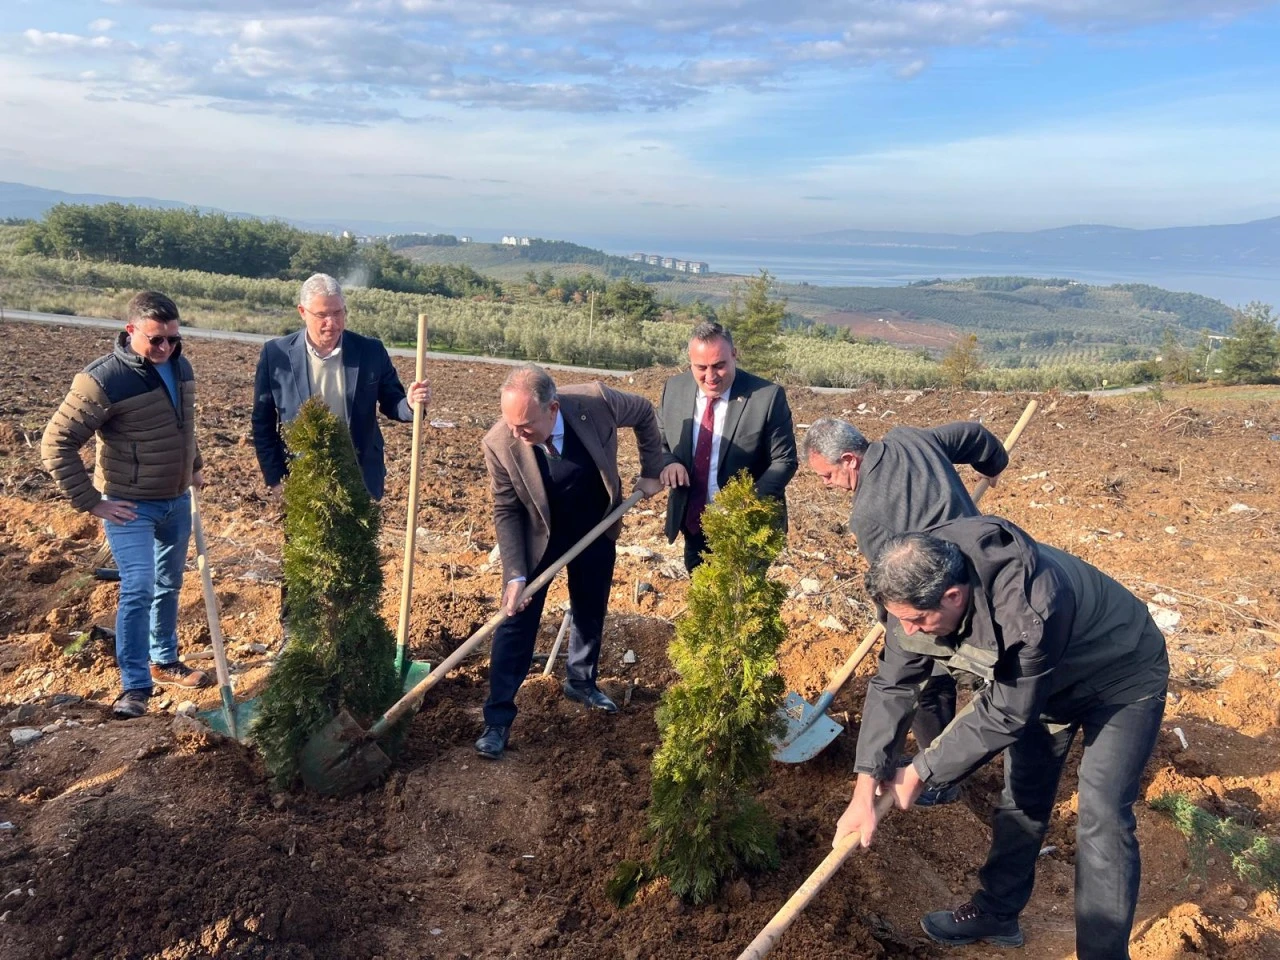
[
  {"x": 139, "y": 401},
  {"x": 553, "y": 471}
]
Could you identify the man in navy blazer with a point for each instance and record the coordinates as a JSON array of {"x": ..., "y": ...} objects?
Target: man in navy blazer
[
  {"x": 351, "y": 373},
  {"x": 750, "y": 430}
]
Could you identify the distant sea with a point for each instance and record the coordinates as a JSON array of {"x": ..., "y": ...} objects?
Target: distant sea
[{"x": 876, "y": 266}]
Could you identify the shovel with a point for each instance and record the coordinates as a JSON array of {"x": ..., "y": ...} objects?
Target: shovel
[
  {"x": 232, "y": 719},
  {"x": 767, "y": 938},
  {"x": 411, "y": 672},
  {"x": 809, "y": 729},
  {"x": 342, "y": 757}
]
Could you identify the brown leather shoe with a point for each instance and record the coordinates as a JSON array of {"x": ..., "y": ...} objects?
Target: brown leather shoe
[{"x": 178, "y": 674}]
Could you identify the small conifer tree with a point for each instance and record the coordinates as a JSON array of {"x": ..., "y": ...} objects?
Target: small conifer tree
[
  {"x": 716, "y": 722},
  {"x": 341, "y": 653}
]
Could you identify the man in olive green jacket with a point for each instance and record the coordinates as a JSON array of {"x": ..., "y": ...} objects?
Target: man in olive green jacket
[{"x": 139, "y": 400}]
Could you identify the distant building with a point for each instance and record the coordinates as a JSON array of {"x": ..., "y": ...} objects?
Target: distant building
[
  {"x": 511, "y": 241},
  {"x": 464, "y": 239},
  {"x": 669, "y": 263},
  {"x": 697, "y": 266},
  {"x": 525, "y": 241},
  {"x": 653, "y": 259},
  {"x": 637, "y": 257}
]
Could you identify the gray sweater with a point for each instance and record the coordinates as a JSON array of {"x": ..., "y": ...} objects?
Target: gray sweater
[{"x": 907, "y": 481}]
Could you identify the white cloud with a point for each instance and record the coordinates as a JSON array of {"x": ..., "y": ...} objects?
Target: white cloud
[{"x": 655, "y": 55}]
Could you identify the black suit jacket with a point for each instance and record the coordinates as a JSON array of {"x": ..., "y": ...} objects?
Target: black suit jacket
[
  {"x": 758, "y": 437},
  {"x": 283, "y": 384}
]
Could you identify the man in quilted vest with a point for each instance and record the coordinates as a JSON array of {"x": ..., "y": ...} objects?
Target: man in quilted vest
[{"x": 139, "y": 401}]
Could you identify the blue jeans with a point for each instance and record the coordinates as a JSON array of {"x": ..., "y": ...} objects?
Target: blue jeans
[
  {"x": 1118, "y": 740},
  {"x": 150, "y": 552}
]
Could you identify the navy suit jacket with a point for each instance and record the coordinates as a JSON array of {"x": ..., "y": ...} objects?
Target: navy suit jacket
[{"x": 283, "y": 384}]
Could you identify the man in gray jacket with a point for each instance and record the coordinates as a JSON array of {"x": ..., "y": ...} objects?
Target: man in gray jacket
[
  {"x": 904, "y": 482},
  {"x": 1057, "y": 647}
]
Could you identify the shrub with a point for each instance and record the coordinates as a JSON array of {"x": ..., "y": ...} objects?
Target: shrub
[
  {"x": 341, "y": 653},
  {"x": 717, "y": 720}
]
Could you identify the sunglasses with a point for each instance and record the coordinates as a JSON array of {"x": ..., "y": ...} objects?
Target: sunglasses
[{"x": 157, "y": 341}]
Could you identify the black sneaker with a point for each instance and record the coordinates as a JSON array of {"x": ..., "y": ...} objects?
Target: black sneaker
[
  {"x": 131, "y": 704},
  {"x": 967, "y": 924},
  {"x": 938, "y": 796},
  {"x": 493, "y": 741}
]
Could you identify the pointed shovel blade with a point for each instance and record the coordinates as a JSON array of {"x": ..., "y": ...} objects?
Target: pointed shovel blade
[
  {"x": 808, "y": 732},
  {"x": 340, "y": 758}
]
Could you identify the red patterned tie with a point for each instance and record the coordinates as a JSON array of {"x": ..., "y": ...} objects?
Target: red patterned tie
[{"x": 701, "y": 471}]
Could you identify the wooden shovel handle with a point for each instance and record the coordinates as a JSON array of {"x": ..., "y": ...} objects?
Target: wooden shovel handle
[
  {"x": 768, "y": 937},
  {"x": 877, "y": 631},
  {"x": 210, "y": 598},
  {"x": 411, "y": 699},
  {"x": 411, "y": 522}
]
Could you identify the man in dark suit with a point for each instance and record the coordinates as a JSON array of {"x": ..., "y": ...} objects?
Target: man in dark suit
[
  {"x": 351, "y": 373},
  {"x": 553, "y": 471},
  {"x": 716, "y": 421}
]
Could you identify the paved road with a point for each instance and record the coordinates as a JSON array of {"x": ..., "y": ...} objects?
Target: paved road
[{"x": 27, "y": 316}]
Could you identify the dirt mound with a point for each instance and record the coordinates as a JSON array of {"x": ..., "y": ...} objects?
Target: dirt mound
[{"x": 139, "y": 841}]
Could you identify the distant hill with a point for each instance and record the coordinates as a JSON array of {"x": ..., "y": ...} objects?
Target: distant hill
[
  {"x": 1256, "y": 243},
  {"x": 19, "y": 200},
  {"x": 507, "y": 262}
]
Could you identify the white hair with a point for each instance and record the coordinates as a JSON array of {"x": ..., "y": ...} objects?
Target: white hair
[{"x": 318, "y": 285}]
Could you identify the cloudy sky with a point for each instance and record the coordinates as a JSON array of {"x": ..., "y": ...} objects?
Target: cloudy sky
[{"x": 707, "y": 118}]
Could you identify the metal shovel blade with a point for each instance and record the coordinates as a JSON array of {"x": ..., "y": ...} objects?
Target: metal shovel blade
[
  {"x": 413, "y": 673},
  {"x": 340, "y": 758},
  {"x": 809, "y": 731},
  {"x": 231, "y": 719}
]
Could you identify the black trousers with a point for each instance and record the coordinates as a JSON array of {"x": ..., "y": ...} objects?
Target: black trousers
[
  {"x": 695, "y": 545},
  {"x": 1118, "y": 740},
  {"x": 590, "y": 579}
]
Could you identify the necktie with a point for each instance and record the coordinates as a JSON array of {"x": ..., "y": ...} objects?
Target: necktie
[{"x": 701, "y": 471}]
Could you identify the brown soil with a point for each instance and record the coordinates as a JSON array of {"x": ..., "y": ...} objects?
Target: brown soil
[
  {"x": 899, "y": 329},
  {"x": 152, "y": 839}
]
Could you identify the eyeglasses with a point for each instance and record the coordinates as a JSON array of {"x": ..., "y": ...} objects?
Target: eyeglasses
[
  {"x": 157, "y": 341},
  {"x": 335, "y": 315}
]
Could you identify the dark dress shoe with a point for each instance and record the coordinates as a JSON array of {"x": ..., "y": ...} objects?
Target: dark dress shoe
[
  {"x": 493, "y": 741},
  {"x": 591, "y": 697}
]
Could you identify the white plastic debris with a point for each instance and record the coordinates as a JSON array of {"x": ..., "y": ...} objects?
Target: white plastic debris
[
  {"x": 1182, "y": 738},
  {"x": 629, "y": 657},
  {"x": 1165, "y": 600},
  {"x": 1239, "y": 508},
  {"x": 1167, "y": 620},
  {"x": 831, "y": 623},
  {"x": 809, "y": 586},
  {"x": 495, "y": 553}
]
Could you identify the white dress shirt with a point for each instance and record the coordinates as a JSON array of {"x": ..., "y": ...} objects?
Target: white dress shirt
[{"x": 699, "y": 410}]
